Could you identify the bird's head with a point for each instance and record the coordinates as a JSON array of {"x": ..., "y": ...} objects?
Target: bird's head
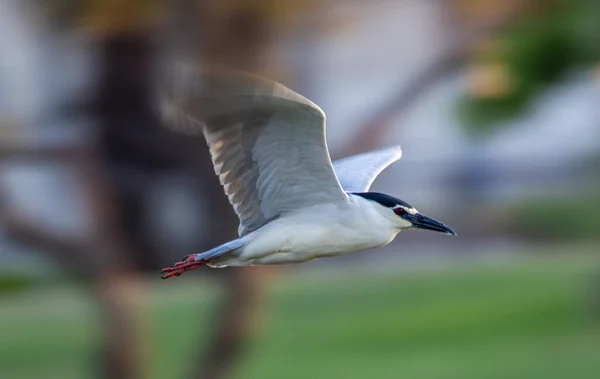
[{"x": 404, "y": 216}]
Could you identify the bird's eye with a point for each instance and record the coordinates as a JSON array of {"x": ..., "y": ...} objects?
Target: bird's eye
[{"x": 399, "y": 211}]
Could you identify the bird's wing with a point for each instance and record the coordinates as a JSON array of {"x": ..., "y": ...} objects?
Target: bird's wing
[
  {"x": 267, "y": 142},
  {"x": 357, "y": 173}
]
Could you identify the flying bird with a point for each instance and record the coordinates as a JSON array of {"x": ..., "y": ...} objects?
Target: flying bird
[{"x": 269, "y": 151}]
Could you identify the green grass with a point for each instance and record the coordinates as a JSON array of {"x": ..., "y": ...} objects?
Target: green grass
[{"x": 528, "y": 320}]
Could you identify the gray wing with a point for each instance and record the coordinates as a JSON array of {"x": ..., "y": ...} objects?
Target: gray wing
[
  {"x": 357, "y": 173},
  {"x": 267, "y": 142}
]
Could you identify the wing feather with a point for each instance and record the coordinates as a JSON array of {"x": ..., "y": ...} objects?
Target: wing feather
[
  {"x": 358, "y": 172},
  {"x": 267, "y": 142}
]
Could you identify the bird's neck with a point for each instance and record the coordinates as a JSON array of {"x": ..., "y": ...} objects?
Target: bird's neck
[{"x": 373, "y": 215}]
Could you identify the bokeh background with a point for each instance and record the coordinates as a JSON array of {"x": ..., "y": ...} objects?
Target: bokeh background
[{"x": 495, "y": 102}]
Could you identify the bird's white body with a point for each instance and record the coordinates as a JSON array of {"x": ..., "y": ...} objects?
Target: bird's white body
[{"x": 317, "y": 232}]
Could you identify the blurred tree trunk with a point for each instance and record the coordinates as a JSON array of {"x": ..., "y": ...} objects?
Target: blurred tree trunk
[
  {"x": 132, "y": 142},
  {"x": 121, "y": 108}
]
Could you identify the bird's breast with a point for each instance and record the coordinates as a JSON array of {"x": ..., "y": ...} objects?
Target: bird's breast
[{"x": 300, "y": 240}]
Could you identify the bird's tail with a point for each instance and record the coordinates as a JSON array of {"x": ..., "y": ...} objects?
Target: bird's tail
[
  {"x": 194, "y": 261},
  {"x": 219, "y": 250}
]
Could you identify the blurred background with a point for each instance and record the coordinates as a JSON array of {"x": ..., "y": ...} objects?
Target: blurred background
[{"x": 495, "y": 102}]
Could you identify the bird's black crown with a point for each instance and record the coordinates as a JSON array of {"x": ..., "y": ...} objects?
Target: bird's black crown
[{"x": 383, "y": 199}]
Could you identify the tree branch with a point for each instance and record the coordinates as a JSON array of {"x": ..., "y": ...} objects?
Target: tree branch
[{"x": 54, "y": 154}]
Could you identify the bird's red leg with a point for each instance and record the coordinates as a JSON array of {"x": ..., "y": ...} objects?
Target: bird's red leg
[{"x": 189, "y": 263}]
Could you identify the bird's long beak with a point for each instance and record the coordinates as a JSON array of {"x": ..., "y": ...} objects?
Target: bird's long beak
[{"x": 423, "y": 222}]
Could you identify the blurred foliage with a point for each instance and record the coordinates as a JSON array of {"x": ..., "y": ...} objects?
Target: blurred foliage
[
  {"x": 523, "y": 320},
  {"x": 534, "y": 53},
  {"x": 556, "y": 218}
]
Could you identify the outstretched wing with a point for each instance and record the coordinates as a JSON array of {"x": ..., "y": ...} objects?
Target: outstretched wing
[
  {"x": 357, "y": 173},
  {"x": 267, "y": 142}
]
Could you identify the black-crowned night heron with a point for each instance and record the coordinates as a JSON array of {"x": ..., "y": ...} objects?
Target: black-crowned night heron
[{"x": 268, "y": 148}]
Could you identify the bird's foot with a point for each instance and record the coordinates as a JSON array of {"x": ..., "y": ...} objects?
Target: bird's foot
[{"x": 189, "y": 263}]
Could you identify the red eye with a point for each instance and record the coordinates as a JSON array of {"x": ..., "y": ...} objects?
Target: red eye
[{"x": 399, "y": 211}]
